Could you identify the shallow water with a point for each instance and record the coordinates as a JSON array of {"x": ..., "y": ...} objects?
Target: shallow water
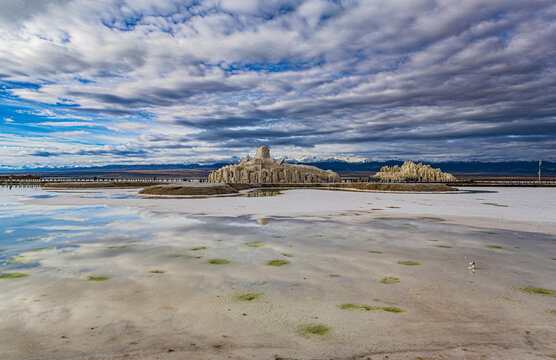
[{"x": 203, "y": 285}]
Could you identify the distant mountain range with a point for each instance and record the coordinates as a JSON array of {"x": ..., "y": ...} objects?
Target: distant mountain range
[{"x": 345, "y": 168}]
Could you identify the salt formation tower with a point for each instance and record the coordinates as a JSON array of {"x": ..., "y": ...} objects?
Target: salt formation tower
[
  {"x": 410, "y": 170},
  {"x": 262, "y": 169}
]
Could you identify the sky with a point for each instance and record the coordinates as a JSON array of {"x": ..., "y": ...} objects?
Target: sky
[{"x": 99, "y": 82}]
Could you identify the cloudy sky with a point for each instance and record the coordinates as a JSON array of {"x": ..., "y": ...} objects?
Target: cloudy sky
[{"x": 94, "y": 82}]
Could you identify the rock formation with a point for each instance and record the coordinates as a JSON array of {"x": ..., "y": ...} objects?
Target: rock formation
[
  {"x": 410, "y": 171},
  {"x": 262, "y": 169}
]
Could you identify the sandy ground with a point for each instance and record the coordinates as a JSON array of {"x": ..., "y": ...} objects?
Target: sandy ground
[{"x": 339, "y": 247}]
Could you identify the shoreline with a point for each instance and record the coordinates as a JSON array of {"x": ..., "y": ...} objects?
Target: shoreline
[{"x": 158, "y": 188}]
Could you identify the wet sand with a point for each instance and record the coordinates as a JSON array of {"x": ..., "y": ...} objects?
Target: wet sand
[{"x": 164, "y": 299}]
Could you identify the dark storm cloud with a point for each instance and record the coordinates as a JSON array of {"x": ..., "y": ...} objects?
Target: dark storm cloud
[
  {"x": 42, "y": 153},
  {"x": 111, "y": 151},
  {"x": 227, "y": 122}
]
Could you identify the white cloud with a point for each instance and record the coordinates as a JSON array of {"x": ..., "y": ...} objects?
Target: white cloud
[
  {"x": 77, "y": 133},
  {"x": 302, "y": 76}
]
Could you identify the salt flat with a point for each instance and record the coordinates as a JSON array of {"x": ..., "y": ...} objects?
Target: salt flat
[
  {"x": 520, "y": 209},
  {"x": 361, "y": 275}
]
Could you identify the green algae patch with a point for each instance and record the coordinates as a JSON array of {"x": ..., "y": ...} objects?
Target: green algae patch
[
  {"x": 157, "y": 271},
  {"x": 375, "y": 252},
  {"x": 409, "y": 263},
  {"x": 551, "y": 311},
  {"x": 117, "y": 247},
  {"x": 538, "y": 291},
  {"x": 391, "y": 309},
  {"x": 277, "y": 262},
  {"x": 390, "y": 280},
  {"x": 199, "y": 248},
  {"x": 443, "y": 246},
  {"x": 42, "y": 249},
  {"x": 19, "y": 259},
  {"x": 218, "y": 261},
  {"x": 353, "y": 307},
  {"x": 349, "y": 306},
  {"x": 287, "y": 255},
  {"x": 97, "y": 278},
  {"x": 250, "y": 296},
  {"x": 313, "y": 329},
  {"x": 187, "y": 256},
  {"x": 255, "y": 244},
  {"x": 12, "y": 275},
  {"x": 498, "y": 247}
]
